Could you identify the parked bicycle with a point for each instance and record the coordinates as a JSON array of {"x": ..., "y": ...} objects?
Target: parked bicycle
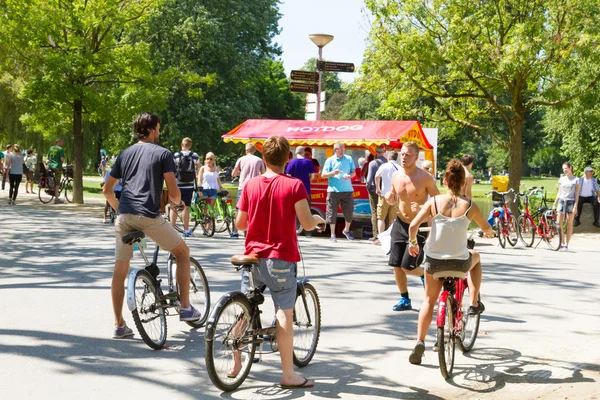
[
  {"x": 224, "y": 214},
  {"x": 455, "y": 327},
  {"x": 148, "y": 303},
  {"x": 235, "y": 326},
  {"x": 201, "y": 214},
  {"x": 546, "y": 227},
  {"x": 47, "y": 185},
  {"x": 505, "y": 222}
]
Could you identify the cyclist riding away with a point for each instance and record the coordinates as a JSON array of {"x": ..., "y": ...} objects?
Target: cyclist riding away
[
  {"x": 143, "y": 167},
  {"x": 268, "y": 209},
  {"x": 446, "y": 248}
]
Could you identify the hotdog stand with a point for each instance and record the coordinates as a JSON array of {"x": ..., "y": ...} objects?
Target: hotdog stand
[{"x": 359, "y": 137}]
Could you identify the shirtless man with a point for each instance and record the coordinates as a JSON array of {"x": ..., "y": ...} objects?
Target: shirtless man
[
  {"x": 410, "y": 188},
  {"x": 467, "y": 162}
]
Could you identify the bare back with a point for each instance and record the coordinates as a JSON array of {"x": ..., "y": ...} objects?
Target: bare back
[
  {"x": 469, "y": 178},
  {"x": 411, "y": 191}
]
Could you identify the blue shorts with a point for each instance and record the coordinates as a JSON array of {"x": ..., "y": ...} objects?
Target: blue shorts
[
  {"x": 565, "y": 206},
  {"x": 209, "y": 193},
  {"x": 186, "y": 196},
  {"x": 279, "y": 276},
  {"x": 237, "y": 200}
]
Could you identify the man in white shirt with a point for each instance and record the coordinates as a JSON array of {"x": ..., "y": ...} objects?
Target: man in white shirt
[
  {"x": 590, "y": 193},
  {"x": 386, "y": 213}
]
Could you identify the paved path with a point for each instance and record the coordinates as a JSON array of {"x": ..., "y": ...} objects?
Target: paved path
[{"x": 539, "y": 336}]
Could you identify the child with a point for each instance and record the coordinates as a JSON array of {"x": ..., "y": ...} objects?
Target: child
[{"x": 268, "y": 209}]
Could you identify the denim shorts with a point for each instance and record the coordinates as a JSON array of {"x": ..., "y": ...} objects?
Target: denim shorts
[
  {"x": 565, "y": 206},
  {"x": 209, "y": 193},
  {"x": 279, "y": 276}
]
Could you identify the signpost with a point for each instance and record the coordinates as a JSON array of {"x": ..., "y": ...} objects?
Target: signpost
[
  {"x": 304, "y": 87},
  {"x": 328, "y": 66},
  {"x": 304, "y": 76}
]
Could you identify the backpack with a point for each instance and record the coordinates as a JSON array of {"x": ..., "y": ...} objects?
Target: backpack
[{"x": 186, "y": 170}]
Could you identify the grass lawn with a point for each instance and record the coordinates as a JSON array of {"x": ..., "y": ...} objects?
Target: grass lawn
[{"x": 549, "y": 184}]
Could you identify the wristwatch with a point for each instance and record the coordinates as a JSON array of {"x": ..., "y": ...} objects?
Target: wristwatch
[{"x": 412, "y": 241}]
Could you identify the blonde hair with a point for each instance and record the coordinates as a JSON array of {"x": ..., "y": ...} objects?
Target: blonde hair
[
  {"x": 186, "y": 143},
  {"x": 412, "y": 145},
  {"x": 210, "y": 153},
  {"x": 16, "y": 148},
  {"x": 250, "y": 147},
  {"x": 427, "y": 165}
]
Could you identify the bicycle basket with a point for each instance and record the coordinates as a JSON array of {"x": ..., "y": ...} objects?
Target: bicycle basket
[
  {"x": 68, "y": 169},
  {"x": 497, "y": 196}
]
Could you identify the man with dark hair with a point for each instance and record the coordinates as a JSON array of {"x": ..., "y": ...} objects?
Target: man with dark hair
[
  {"x": 143, "y": 167},
  {"x": 268, "y": 208},
  {"x": 308, "y": 156},
  {"x": 55, "y": 160},
  {"x": 186, "y": 162},
  {"x": 372, "y": 189},
  {"x": 467, "y": 162},
  {"x": 386, "y": 214}
]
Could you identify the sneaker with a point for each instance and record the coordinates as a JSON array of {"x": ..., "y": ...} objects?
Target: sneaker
[
  {"x": 333, "y": 239},
  {"x": 188, "y": 233},
  {"x": 234, "y": 235},
  {"x": 402, "y": 305},
  {"x": 58, "y": 201},
  {"x": 189, "y": 315},
  {"x": 9, "y": 202},
  {"x": 563, "y": 247},
  {"x": 576, "y": 223},
  {"x": 476, "y": 310},
  {"x": 122, "y": 332},
  {"x": 417, "y": 354},
  {"x": 348, "y": 235},
  {"x": 105, "y": 221},
  {"x": 372, "y": 238}
]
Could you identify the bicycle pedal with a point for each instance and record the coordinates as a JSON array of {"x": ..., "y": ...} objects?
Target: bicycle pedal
[{"x": 256, "y": 360}]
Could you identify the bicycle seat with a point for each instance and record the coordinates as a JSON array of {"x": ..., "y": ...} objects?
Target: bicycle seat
[
  {"x": 222, "y": 193},
  {"x": 242, "y": 259},
  {"x": 498, "y": 203},
  {"x": 448, "y": 274},
  {"x": 133, "y": 237}
]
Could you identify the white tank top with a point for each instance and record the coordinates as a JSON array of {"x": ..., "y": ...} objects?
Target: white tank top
[
  {"x": 209, "y": 180},
  {"x": 448, "y": 237}
]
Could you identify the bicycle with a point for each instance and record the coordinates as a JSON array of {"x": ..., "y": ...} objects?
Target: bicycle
[
  {"x": 455, "y": 327},
  {"x": 201, "y": 213},
  {"x": 505, "y": 222},
  {"x": 46, "y": 184},
  {"x": 547, "y": 226},
  {"x": 235, "y": 326},
  {"x": 224, "y": 214},
  {"x": 147, "y": 302}
]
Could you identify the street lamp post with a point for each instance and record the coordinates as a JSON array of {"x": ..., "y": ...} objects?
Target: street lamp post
[{"x": 321, "y": 40}]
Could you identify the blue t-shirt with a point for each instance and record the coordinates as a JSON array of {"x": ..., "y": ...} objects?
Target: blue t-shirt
[
  {"x": 301, "y": 168},
  {"x": 117, "y": 187},
  {"x": 141, "y": 167},
  {"x": 336, "y": 182}
]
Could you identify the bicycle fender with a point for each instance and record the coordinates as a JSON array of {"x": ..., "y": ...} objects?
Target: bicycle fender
[
  {"x": 130, "y": 288},
  {"x": 441, "y": 314},
  {"x": 223, "y": 301}
]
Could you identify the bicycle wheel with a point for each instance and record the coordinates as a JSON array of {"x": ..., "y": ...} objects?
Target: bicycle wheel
[
  {"x": 469, "y": 324},
  {"x": 221, "y": 221},
  {"x": 554, "y": 233},
  {"x": 44, "y": 194},
  {"x": 526, "y": 231},
  {"x": 501, "y": 237},
  {"x": 68, "y": 188},
  {"x": 207, "y": 222},
  {"x": 307, "y": 324},
  {"x": 199, "y": 291},
  {"x": 226, "y": 331},
  {"x": 511, "y": 225},
  {"x": 149, "y": 315},
  {"x": 445, "y": 341}
]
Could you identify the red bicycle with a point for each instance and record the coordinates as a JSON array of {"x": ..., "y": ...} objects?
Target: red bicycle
[
  {"x": 505, "y": 222},
  {"x": 547, "y": 227},
  {"x": 461, "y": 328}
]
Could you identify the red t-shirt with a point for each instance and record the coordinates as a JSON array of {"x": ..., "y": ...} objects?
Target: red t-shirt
[{"x": 269, "y": 203}]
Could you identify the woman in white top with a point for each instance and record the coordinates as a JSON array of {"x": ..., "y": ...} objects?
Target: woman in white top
[
  {"x": 15, "y": 167},
  {"x": 208, "y": 176},
  {"x": 446, "y": 247},
  {"x": 567, "y": 197}
]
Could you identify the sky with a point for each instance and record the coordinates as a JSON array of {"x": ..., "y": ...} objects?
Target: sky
[{"x": 344, "y": 19}]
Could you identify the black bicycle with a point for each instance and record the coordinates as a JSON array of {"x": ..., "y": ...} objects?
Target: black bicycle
[
  {"x": 47, "y": 189},
  {"x": 235, "y": 326},
  {"x": 148, "y": 303}
]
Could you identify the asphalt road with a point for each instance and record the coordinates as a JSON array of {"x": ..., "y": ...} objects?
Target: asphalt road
[{"x": 539, "y": 336}]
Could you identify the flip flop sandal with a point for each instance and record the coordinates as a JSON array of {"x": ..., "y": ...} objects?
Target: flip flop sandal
[{"x": 303, "y": 385}]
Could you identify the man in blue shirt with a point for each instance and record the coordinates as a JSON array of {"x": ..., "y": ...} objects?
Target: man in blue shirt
[
  {"x": 339, "y": 170},
  {"x": 301, "y": 168}
]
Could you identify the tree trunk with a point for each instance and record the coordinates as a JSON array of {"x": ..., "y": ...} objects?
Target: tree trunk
[{"x": 77, "y": 152}]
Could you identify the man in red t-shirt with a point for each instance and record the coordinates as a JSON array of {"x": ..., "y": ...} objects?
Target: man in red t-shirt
[{"x": 268, "y": 209}]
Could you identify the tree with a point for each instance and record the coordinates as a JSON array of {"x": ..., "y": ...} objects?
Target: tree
[
  {"x": 485, "y": 60},
  {"x": 77, "y": 59}
]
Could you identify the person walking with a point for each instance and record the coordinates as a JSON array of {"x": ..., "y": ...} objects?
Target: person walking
[
  {"x": 14, "y": 166},
  {"x": 301, "y": 168},
  {"x": 589, "y": 193},
  {"x": 30, "y": 165},
  {"x": 386, "y": 214},
  {"x": 186, "y": 163},
  {"x": 566, "y": 201},
  {"x": 339, "y": 171},
  {"x": 308, "y": 156},
  {"x": 268, "y": 209},
  {"x": 5, "y": 172},
  {"x": 246, "y": 167},
  {"x": 373, "y": 189},
  {"x": 467, "y": 162},
  {"x": 209, "y": 179},
  {"x": 143, "y": 168},
  {"x": 446, "y": 249},
  {"x": 55, "y": 159},
  {"x": 410, "y": 188}
]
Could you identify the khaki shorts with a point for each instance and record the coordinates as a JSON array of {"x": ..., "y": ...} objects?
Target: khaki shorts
[
  {"x": 157, "y": 229},
  {"x": 385, "y": 211}
]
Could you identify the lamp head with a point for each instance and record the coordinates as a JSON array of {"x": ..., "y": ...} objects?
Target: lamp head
[{"x": 320, "y": 39}]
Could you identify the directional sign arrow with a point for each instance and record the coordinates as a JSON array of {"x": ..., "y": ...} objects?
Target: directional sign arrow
[
  {"x": 304, "y": 76},
  {"x": 304, "y": 87},
  {"x": 328, "y": 66}
]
